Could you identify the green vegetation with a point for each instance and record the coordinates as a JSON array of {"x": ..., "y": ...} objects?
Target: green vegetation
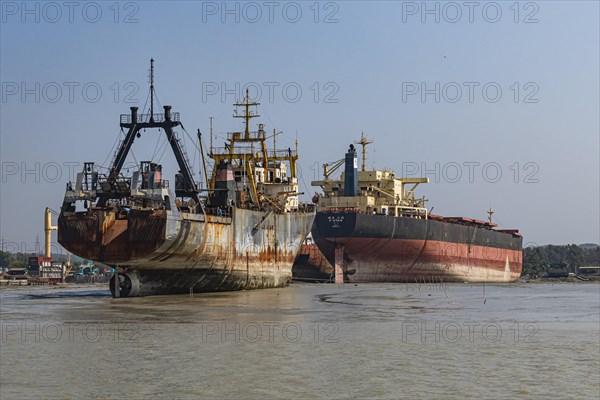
[
  {"x": 20, "y": 260},
  {"x": 537, "y": 260},
  {"x": 16, "y": 260}
]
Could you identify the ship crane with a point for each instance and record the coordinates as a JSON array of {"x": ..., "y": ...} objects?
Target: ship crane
[
  {"x": 330, "y": 168},
  {"x": 335, "y": 165},
  {"x": 386, "y": 193},
  {"x": 134, "y": 123}
]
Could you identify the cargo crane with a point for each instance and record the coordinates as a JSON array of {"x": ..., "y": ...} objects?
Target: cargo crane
[
  {"x": 330, "y": 168},
  {"x": 185, "y": 186},
  {"x": 335, "y": 165}
]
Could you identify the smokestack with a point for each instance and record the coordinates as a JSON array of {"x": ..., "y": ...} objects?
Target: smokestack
[
  {"x": 351, "y": 173},
  {"x": 48, "y": 228},
  {"x": 134, "y": 115}
]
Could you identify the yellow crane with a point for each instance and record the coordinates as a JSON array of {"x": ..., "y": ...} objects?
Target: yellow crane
[{"x": 330, "y": 168}]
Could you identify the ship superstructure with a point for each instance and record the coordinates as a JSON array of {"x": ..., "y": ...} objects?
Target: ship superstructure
[
  {"x": 372, "y": 227},
  {"x": 242, "y": 231}
]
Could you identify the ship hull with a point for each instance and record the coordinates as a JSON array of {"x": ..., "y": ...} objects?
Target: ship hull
[
  {"x": 163, "y": 252},
  {"x": 381, "y": 248},
  {"x": 310, "y": 265}
]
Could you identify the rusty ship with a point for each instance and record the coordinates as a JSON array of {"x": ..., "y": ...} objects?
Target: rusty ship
[
  {"x": 310, "y": 264},
  {"x": 243, "y": 231},
  {"x": 372, "y": 228}
]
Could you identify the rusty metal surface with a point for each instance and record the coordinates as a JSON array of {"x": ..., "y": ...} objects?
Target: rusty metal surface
[
  {"x": 97, "y": 235},
  {"x": 427, "y": 261},
  {"x": 311, "y": 264},
  {"x": 391, "y": 249},
  {"x": 176, "y": 251}
]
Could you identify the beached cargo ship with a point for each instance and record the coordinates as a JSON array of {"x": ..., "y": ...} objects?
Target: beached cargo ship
[
  {"x": 311, "y": 265},
  {"x": 372, "y": 228},
  {"x": 243, "y": 231}
]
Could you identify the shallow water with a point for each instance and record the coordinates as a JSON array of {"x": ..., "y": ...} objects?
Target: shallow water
[{"x": 306, "y": 341}]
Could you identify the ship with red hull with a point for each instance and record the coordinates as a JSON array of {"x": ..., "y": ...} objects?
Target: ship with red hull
[
  {"x": 372, "y": 228},
  {"x": 310, "y": 265}
]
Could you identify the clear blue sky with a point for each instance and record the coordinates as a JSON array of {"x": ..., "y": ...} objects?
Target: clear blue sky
[{"x": 372, "y": 59}]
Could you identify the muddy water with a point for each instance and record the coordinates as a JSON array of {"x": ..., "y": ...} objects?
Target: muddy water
[{"x": 306, "y": 341}]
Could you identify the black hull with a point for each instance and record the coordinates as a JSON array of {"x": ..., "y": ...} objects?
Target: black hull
[{"x": 381, "y": 248}]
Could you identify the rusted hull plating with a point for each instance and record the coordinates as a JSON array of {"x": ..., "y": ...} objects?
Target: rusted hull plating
[
  {"x": 388, "y": 249},
  {"x": 423, "y": 261},
  {"x": 310, "y": 264},
  {"x": 161, "y": 251}
]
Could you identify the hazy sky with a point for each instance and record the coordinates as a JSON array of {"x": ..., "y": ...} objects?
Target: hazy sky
[{"x": 496, "y": 101}]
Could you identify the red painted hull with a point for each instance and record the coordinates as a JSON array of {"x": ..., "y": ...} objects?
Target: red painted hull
[
  {"x": 383, "y": 248},
  {"x": 398, "y": 260}
]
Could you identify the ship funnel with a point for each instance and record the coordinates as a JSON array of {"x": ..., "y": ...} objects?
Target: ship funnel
[
  {"x": 351, "y": 173},
  {"x": 134, "y": 115},
  {"x": 224, "y": 186}
]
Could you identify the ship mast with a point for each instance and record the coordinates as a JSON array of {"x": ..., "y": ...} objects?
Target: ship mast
[
  {"x": 248, "y": 115},
  {"x": 363, "y": 142},
  {"x": 134, "y": 123},
  {"x": 490, "y": 213},
  {"x": 152, "y": 90}
]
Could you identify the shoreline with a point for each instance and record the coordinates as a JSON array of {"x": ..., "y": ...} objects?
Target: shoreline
[{"x": 521, "y": 281}]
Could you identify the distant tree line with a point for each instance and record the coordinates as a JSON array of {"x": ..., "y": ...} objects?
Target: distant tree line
[
  {"x": 538, "y": 260},
  {"x": 16, "y": 260},
  {"x": 20, "y": 260}
]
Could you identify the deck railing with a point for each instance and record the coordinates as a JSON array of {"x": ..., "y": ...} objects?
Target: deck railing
[{"x": 144, "y": 118}]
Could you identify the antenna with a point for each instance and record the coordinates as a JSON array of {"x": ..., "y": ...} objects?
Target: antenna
[
  {"x": 152, "y": 90},
  {"x": 363, "y": 142},
  {"x": 247, "y": 113},
  {"x": 490, "y": 212},
  {"x": 211, "y": 135}
]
